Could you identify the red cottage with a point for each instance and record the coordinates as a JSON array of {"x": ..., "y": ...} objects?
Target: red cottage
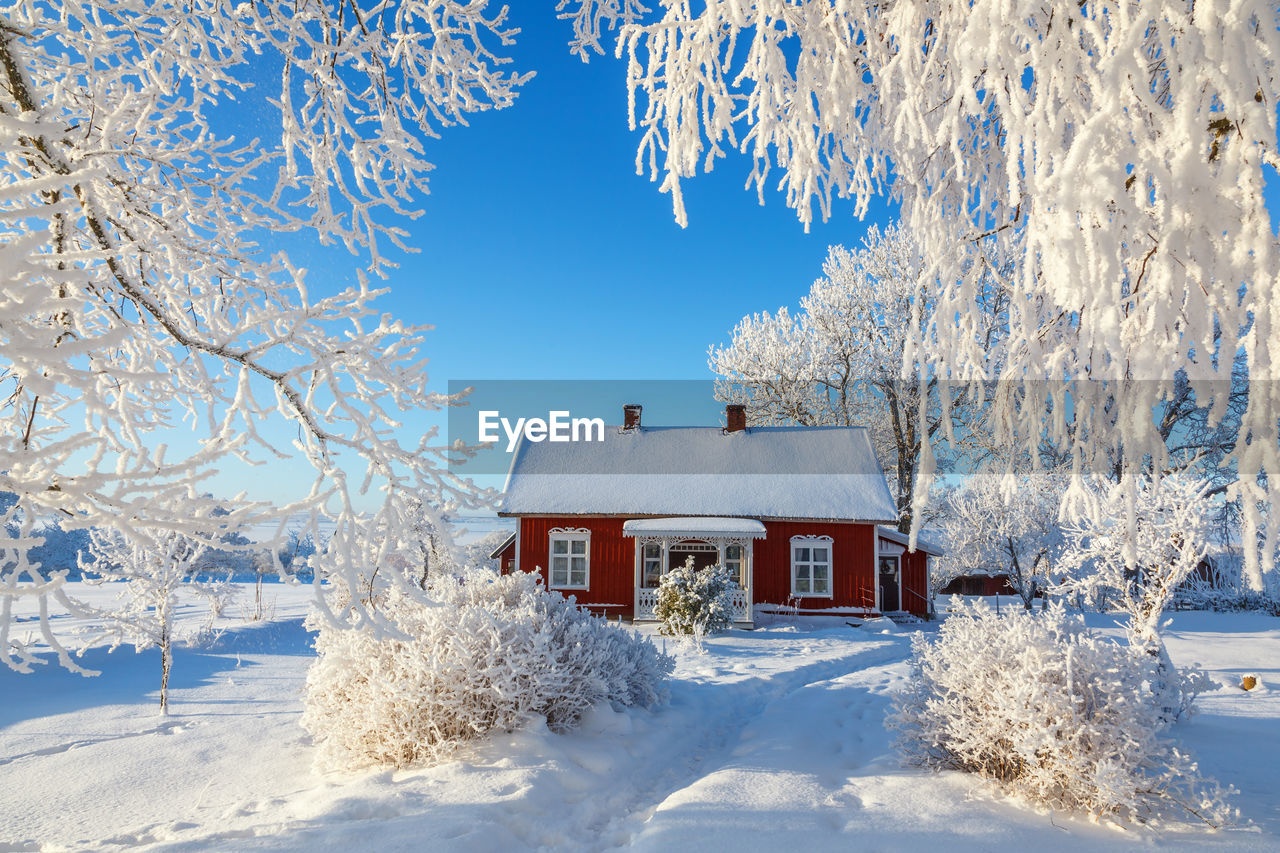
[{"x": 793, "y": 512}]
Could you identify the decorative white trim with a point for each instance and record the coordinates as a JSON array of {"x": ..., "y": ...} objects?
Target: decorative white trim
[
  {"x": 646, "y": 599},
  {"x": 570, "y": 534},
  {"x": 875, "y": 570},
  {"x": 519, "y": 527},
  {"x": 811, "y": 541},
  {"x": 700, "y": 527}
]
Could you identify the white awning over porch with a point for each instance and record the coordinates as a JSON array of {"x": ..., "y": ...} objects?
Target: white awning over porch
[{"x": 694, "y": 527}]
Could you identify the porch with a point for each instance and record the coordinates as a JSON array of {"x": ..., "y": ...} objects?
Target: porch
[{"x": 662, "y": 544}]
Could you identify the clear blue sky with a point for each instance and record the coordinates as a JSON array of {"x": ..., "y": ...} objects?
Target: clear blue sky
[{"x": 543, "y": 254}]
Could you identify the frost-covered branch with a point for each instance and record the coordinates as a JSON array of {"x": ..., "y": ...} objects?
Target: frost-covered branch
[
  {"x": 1115, "y": 150},
  {"x": 143, "y": 290}
]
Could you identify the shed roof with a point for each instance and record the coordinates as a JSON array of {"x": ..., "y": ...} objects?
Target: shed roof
[
  {"x": 763, "y": 472},
  {"x": 904, "y": 540},
  {"x": 493, "y": 555}
]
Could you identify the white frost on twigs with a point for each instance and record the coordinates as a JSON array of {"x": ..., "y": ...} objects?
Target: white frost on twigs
[
  {"x": 139, "y": 285},
  {"x": 1114, "y": 151}
]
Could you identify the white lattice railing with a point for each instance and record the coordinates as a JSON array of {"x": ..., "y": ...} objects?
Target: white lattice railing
[{"x": 647, "y": 603}]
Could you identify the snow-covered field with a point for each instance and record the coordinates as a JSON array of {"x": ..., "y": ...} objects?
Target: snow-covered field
[{"x": 773, "y": 739}]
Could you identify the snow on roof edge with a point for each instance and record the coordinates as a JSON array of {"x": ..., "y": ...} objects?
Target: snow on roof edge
[{"x": 905, "y": 540}]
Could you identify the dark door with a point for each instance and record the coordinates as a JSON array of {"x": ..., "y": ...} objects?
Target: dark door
[
  {"x": 890, "y": 599},
  {"x": 704, "y": 554}
]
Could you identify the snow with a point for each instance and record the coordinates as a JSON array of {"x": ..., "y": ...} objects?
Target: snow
[
  {"x": 774, "y": 738},
  {"x": 762, "y": 472},
  {"x": 904, "y": 540},
  {"x": 746, "y": 527}
]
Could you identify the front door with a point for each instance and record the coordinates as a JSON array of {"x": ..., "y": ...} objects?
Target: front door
[
  {"x": 890, "y": 598},
  {"x": 704, "y": 555}
]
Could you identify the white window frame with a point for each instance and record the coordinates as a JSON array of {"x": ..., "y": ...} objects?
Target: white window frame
[
  {"x": 659, "y": 558},
  {"x": 813, "y": 542},
  {"x": 569, "y": 535},
  {"x": 741, "y": 560}
]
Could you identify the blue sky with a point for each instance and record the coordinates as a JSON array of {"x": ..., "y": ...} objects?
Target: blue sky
[{"x": 543, "y": 254}]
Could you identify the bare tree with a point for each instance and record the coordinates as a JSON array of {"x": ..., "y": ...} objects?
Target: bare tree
[
  {"x": 1006, "y": 524},
  {"x": 151, "y": 580}
]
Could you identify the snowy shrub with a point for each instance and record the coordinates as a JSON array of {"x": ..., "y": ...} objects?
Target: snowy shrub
[
  {"x": 493, "y": 654},
  {"x": 695, "y": 601},
  {"x": 1050, "y": 711}
]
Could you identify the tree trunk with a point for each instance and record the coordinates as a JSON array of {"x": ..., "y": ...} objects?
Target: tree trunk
[
  {"x": 1166, "y": 690},
  {"x": 166, "y": 664},
  {"x": 166, "y": 657}
]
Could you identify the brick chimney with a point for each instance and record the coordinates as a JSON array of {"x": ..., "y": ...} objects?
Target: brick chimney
[
  {"x": 735, "y": 418},
  {"x": 631, "y": 416}
]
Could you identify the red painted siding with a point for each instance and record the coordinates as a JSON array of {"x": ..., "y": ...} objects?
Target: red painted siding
[
  {"x": 915, "y": 582},
  {"x": 978, "y": 585},
  {"x": 852, "y": 573},
  {"x": 612, "y": 565},
  {"x": 612, "y": 568},
  {"x": 507, "y": 558}
]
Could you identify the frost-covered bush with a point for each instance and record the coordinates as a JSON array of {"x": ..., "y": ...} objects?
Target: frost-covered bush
[
  {"x": 693, "y": 601},
  {"x": 496, "y": 652},
  {"x": 1050, "y": 711}
]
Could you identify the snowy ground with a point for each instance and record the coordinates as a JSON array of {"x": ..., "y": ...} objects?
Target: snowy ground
[{"x": 773, "y": 739}]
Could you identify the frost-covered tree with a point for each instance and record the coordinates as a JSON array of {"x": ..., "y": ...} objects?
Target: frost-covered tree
[
  {"x": 143, "y": 281},
  {"x": 839, "y": 360},
  {"x": 1005, "y": 524},
  {"x": 1134, "y": 547},
  {"x": 1116, "y": 150},
  {"x": 152, "y": 578}
]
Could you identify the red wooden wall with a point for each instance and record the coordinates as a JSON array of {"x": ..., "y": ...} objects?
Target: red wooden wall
[
  {"x": 612, "y": 580},
  {"x": 852, "y": 572},
  {"x": 915, "y": 582},
  {"x": 613, "y": 560},
  {"x": 978, "y": 585},
  {"x": 507, "y": 558}
]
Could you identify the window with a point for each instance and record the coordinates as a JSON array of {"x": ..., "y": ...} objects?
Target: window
[
  {"x": 811, "y": 566},
  {"x": 733, "y": 562},
  {"x": 652, "y": 565},
  {"x": 570, "y": 559}
]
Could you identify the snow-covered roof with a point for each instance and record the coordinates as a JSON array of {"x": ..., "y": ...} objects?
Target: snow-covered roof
[
  {"x": 493, "y": 555},
  {"x": 763, "y": 472},
  {"x": 904, "y": 540},
  {"x": 746, "y": 528}
]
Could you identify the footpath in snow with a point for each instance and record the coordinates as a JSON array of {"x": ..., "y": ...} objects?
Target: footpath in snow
[{"x": 774, "y": 739}]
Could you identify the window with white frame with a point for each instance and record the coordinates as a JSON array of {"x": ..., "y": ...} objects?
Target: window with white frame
[
  {"x": 811, "y": 566},
  {"x": 570, "y": 559},
  {"x": 652, "y": 559},
  {"x": 733, "y": 562}
]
